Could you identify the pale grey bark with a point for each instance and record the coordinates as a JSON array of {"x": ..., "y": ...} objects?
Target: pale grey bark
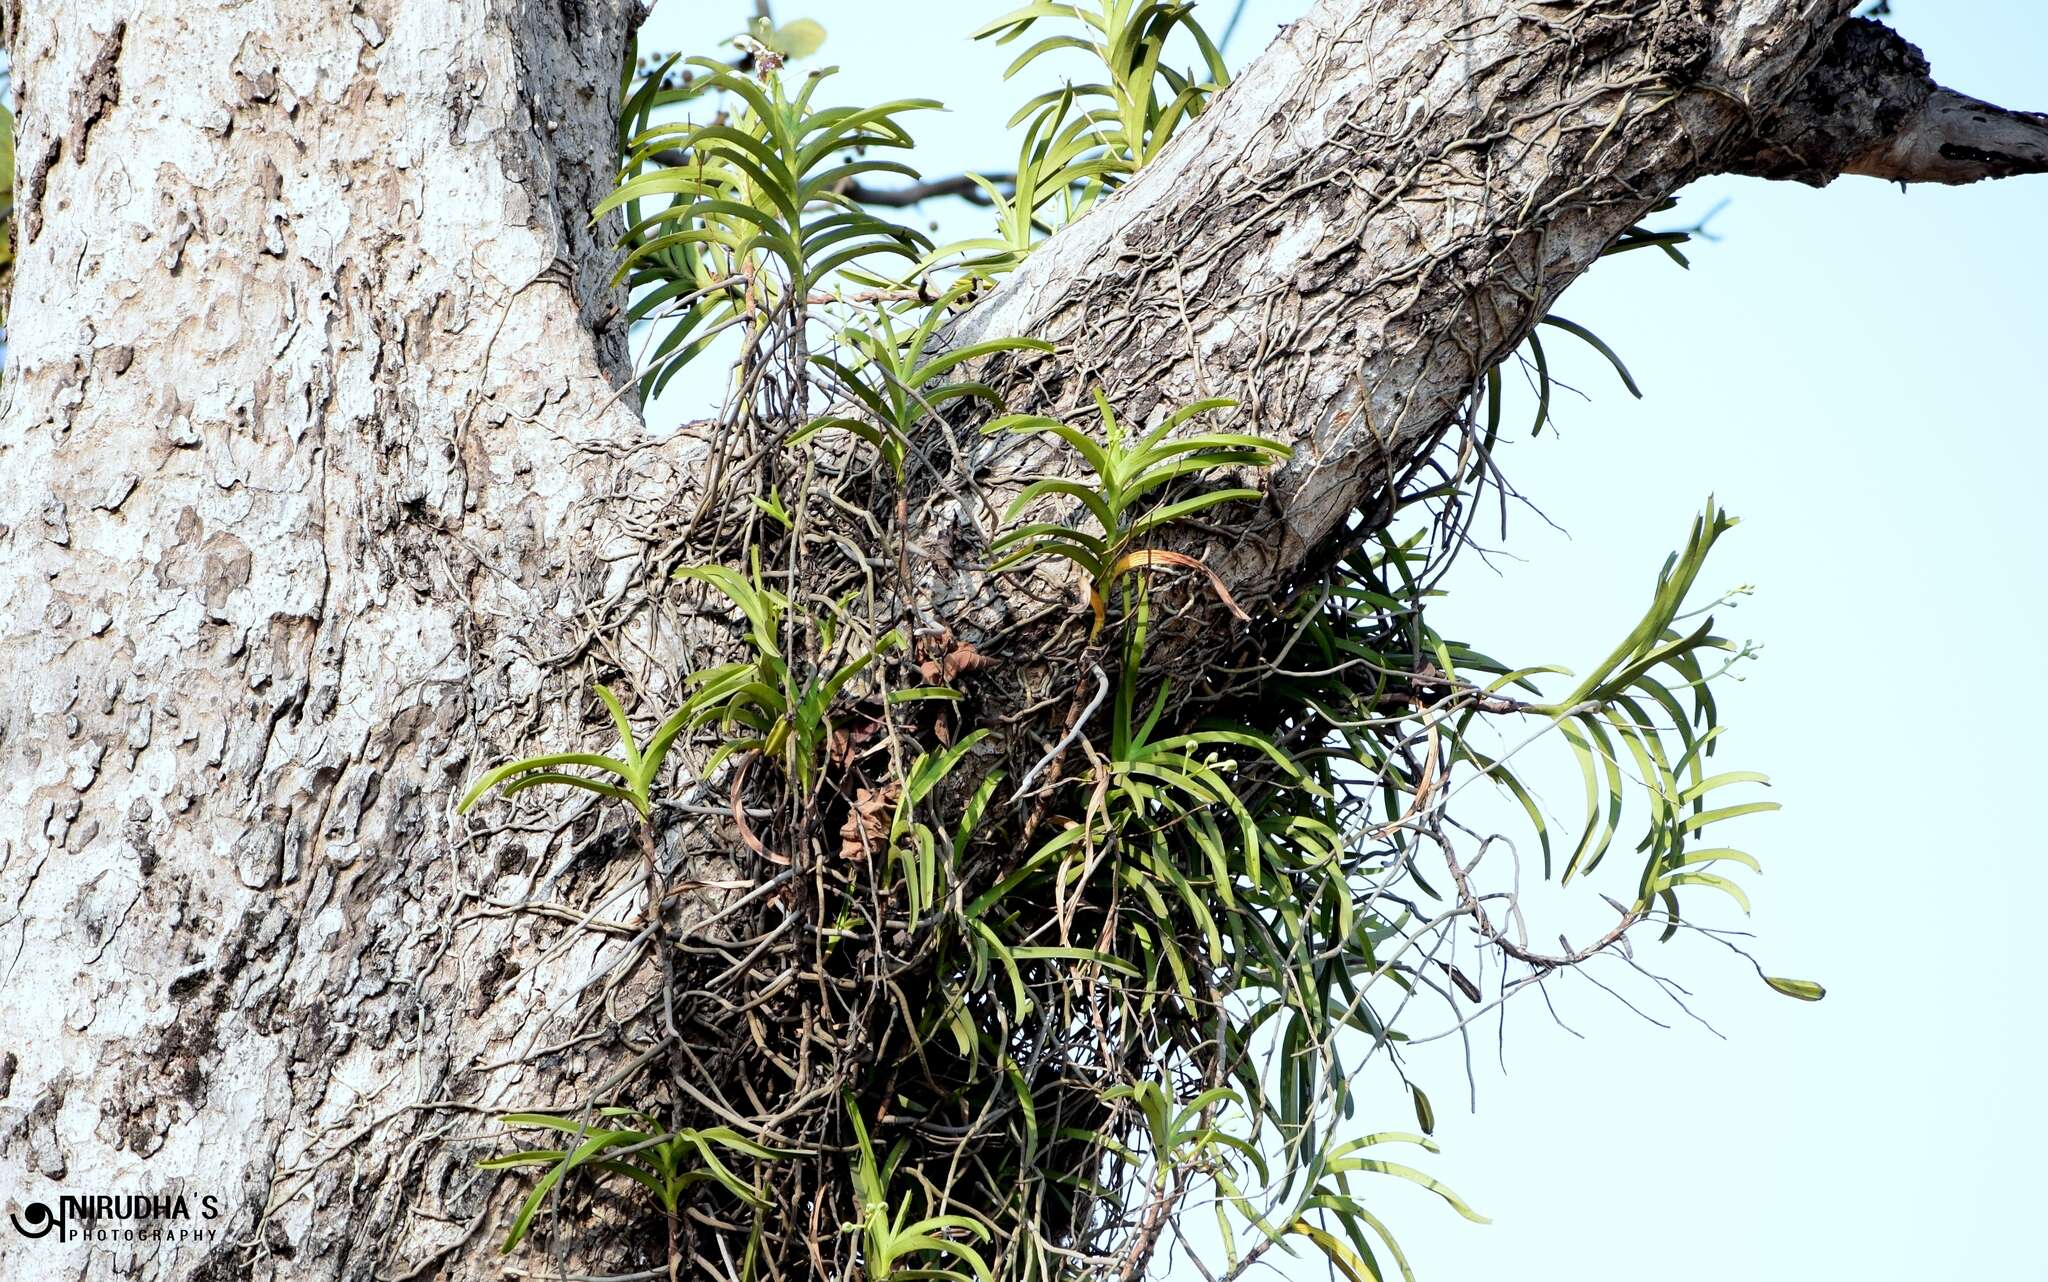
[
  {"x": 309, "y": 394},
  {"x": 311, "y": 464}
]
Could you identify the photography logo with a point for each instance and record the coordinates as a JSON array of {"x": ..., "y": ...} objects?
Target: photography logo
[
  {"x": 36, "y": 1221},
  {"x": 126, "y": 1218}
]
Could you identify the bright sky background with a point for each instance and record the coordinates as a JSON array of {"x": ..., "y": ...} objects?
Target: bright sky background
[{"x": 1860, "y": 373}]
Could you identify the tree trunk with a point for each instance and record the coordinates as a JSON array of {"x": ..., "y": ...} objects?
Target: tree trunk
[
  {"x": 310, "y": 390},
  {"x": 319, "y": 494}
]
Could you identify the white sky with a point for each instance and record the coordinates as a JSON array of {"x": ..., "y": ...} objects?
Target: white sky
[{"x": 1861, "y": 375}]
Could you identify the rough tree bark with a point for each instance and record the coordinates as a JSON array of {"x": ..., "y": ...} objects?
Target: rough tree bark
[
  {"x": 306, "y": 396},
  {"x": 311, "y": 421}
]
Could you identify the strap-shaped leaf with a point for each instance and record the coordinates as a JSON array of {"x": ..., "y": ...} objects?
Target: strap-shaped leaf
[{"x": 546, "y": 761}]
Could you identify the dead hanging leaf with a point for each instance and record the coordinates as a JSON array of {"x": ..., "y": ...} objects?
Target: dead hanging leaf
[
  {"x": 739, "y": 814},
  {"x": 959, "y": 659},
  {"x": 1464, "y": 982},
  {"x": 945, "y": 662},
  {"x": 867, "y": 822},
  {"x": 848, "y": 742}
]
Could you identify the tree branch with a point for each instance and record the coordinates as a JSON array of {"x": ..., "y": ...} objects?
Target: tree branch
[
  {"x": 1383, "y": 205},
  {"x": 885, "y": 197},
  {"x": 1872, "y": 108},
  {"x": 1376, "y": 211}
]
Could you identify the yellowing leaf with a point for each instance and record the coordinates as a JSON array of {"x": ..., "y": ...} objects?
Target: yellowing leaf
[{"x": 1803, "y": 989}]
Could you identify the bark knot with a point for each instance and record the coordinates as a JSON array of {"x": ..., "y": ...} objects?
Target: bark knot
[{"x": 1681, "y": 46}]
